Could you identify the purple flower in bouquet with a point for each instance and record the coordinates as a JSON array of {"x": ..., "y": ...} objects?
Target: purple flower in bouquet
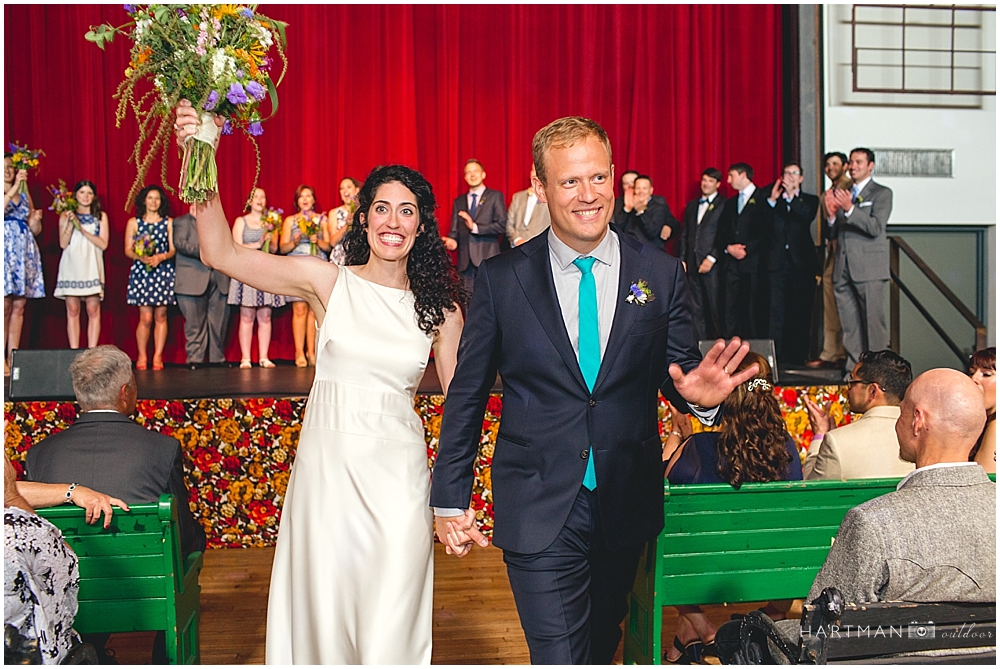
[
  {"x": 240, "y": 74},
  {"x": 129, "y": 8},
  {"x": 144, "y": 246},
  {"x": 256, "y": 129},
  {"x": 236, "y": 94},
  {"x": 256, "y": 90},
  {"x": 246, "y": 13},
  {"x": 213, "y": 99},
  {"x": 227, "y": 129},
  {"x": 265, "y": 65}
]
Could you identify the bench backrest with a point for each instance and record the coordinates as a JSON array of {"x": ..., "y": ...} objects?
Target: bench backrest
[
  {"x": 131, "y": 574},
  {"x": 764, "y": 541}
]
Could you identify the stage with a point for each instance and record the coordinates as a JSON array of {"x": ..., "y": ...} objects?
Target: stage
[{"x": 239, "y": 429}]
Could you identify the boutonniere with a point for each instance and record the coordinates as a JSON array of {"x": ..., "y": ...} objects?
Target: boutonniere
[
  {"x": 711, "y": 206},
  {"x": 639, "y": 293},
  {"x": 752, "y": 201},
  {"x": 859, "y": 200}
]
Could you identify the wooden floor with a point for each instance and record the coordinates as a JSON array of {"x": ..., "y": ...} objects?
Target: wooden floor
[{"x": 475, "y": 621}]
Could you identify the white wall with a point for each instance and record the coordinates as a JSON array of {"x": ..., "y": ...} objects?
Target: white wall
[{"x": 967, "y": 126}]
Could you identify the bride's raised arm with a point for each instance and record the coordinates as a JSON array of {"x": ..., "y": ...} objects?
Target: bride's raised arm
[{"x": 308, "y": 278}]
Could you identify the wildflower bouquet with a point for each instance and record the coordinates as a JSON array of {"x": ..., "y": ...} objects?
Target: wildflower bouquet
[
  {"x": 144, "y": 246},
  {"x": 63, "y": 201},
  {"x": 23, "y": 159},
  {"x": 310, "y": 223},
  {"x": 271, "y": 221},
  {"x": 216, "y": 56}
]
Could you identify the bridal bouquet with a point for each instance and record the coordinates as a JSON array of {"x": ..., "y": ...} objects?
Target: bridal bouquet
[
  {"x": 63, "y": 201},
  {"x": 144, "y": 246},
  {"x": 310, "y": 223},
  {"x": 271, "y": 221},
  {"x": 216, "y": 56},
  {"x": 23, "y": 158}
]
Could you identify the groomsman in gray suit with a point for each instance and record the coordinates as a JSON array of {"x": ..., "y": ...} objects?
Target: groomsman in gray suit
[
  {"x": 861, "y": 268},
  {"x": 202, "y": 295},
  {"x": 477, "y": 218},
  {"x": 526, "y": 216}
]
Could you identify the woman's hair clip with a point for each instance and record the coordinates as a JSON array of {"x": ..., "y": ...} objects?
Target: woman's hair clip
[{"x": 758, "y": 383}]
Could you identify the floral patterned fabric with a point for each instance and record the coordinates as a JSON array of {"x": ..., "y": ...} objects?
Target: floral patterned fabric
[{"x": 238, "y": 452}]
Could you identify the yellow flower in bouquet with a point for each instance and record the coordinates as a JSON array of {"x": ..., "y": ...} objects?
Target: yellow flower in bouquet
[{"x": 310, "y": 223}]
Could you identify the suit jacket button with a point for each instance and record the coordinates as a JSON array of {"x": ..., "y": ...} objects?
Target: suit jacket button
[
  {"x": 585, "y": 454},
  {"x": 593, "y": 403}
]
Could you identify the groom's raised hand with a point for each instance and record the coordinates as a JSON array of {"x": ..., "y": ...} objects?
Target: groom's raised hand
[
  {"x": 710, "y": 383},
  {"x": 458, "y": 533}
]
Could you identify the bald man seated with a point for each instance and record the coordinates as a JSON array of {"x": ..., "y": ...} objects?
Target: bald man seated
[{"x": 934, "y": 539}]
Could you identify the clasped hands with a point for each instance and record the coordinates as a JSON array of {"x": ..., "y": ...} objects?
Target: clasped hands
[
  {"x": 738, "y": 251},
  {"x": 837, "y": 199},
  {"x": 458, "y": 533}
]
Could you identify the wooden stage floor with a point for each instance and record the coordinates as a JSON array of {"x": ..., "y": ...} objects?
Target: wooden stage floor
[{"x": 475, "y": 621}]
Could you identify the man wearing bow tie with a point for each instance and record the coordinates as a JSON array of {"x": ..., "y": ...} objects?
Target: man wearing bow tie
[
  {"x": 476, "y": 219},
  {"x": 861, "y": 268},
  {"x": 584, "y": 325},
  {"x": 701, "y": 223}
]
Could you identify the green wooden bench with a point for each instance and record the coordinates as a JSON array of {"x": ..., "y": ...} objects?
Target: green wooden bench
[
  {"x": 719, "y": 545},
  {"x": 133, "y": 576}
]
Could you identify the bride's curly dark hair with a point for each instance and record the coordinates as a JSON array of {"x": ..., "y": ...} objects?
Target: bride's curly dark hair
[
  {"x": 433, "y": 280},
  {"x": 751, "y": 444}
]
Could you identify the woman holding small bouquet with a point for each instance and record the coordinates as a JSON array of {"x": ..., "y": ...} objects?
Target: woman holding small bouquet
[
  {"x": 305, "y": 233},
  {"x": 252, "y": 231},
  {"x": 149, "y": 243},
  {"x": 22, "y": 279},
  {"x": 340, "y": 218},
  {"x": 83, "y": 237}
]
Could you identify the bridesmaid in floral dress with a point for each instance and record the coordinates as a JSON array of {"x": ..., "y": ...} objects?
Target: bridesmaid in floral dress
[
  {"x": 22, "y": 279},
  {"x": 149, "y": 243},
  {"x": 248, "y": 231}
]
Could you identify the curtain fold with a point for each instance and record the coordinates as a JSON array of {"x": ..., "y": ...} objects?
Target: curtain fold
[{"x": 678, "y": 88}]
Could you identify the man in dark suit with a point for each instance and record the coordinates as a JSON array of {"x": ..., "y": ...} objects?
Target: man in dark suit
[
  {"x": 202, "y": 295},
  {"x": 105, "y": 450},
  {"x": 740, "y": 243},
  {"x": 650, "y": 220},
  {"x": 861, "y": 268},
  {"x": 477, "y": 217},
  {"x": 792, "y": 265},
  {"x": 585, "y": 326},
  {"x": 701, "y": 223}
]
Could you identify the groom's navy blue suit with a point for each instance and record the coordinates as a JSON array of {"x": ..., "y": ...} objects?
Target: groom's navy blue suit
[{"x": 550, "y": 421}]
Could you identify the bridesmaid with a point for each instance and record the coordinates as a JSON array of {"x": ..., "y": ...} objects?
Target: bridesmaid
[
  {"x": 340, "y": 218},
  {"x": 151, "y": 279},
  {"x": 295, "y": 243},
  {"x": 22, "y": 279},
  {"x": 248, "y": 231},
  {"x": 83, "y": 237}
]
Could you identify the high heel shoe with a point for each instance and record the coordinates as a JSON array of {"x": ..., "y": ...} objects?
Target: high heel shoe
[
  {"x": 301, "y": 362},
  {"x": 690, "y": 654},
  {"x": 157, "y": 366},
  {"x": 140, "y": 366},
  {"x": 311, "y": 359},
  {"x": 245, "y": 364},
  {"x": 265, "y": 363}
]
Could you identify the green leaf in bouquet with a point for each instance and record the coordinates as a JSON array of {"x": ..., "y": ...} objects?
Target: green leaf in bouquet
[{"x": 272, "y": 93}]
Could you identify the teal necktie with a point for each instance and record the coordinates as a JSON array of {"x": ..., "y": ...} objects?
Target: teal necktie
[
  {"x": 590, "y": 344},
  {"x": 739, "y": 203}
]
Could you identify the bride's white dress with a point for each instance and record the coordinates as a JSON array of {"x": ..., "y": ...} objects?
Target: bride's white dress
[{"x": 352, "y": 581}]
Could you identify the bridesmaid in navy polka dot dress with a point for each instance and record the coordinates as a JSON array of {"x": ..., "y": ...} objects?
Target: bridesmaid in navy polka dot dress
[{"x": 151, "y": 280}]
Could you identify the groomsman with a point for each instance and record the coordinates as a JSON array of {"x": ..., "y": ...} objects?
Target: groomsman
[
  {"x": 477, "y": 218},
  {"x": 792, "y": 265},
  {"x": 701, "y": 223},
  {"x": 739, "y": 244},
  {"x": 649, "y": 220},
  {"x": 526, "y": 216},
  {"x": 628, "y": 190},
  {"x": 861, "y": 269}
]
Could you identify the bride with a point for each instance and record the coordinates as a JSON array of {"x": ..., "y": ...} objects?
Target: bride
[{"x": 352, "y": 581}]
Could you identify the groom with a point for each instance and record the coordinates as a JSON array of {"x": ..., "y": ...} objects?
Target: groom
[{"x": 584, "y": 325}]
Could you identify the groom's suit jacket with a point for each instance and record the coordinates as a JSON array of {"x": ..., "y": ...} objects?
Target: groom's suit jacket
[{"x": 550, "y": 419}]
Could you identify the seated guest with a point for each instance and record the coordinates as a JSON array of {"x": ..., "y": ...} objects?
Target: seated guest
[
  {"x": 105, "y": 450},
  {"x": 866, "y": 448},
  {"x": 934, "y": 539},
  {"x": 753, "y": 445},
  {"x": 41, "y": 583},
  {"x": 983, "y": 370}
]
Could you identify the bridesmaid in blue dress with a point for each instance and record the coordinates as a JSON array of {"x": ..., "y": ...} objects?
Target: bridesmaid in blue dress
[
  {"x": 295, "y": 243},
  {"x": 753, "y": 445},
  {"x": 22, "y": 279},
  {"x": 151, "y": 279}
]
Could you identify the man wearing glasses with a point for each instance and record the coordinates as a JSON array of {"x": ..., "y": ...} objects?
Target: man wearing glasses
[
  {"x": 792, "y": 265},
  {"x": 867, "y": 447}
]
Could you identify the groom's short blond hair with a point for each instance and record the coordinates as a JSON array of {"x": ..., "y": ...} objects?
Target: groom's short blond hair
[{"x": 563, "y": 133}]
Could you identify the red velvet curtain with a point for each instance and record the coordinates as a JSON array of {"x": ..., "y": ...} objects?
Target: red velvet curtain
[{"x": 677, "y": 87}]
